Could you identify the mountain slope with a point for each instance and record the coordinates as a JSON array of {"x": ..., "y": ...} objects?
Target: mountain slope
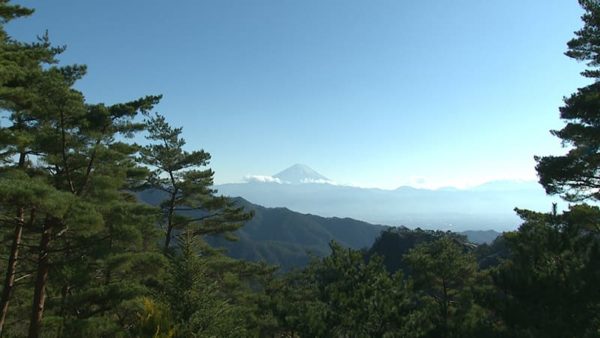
[{"x": 287, "y": 238}]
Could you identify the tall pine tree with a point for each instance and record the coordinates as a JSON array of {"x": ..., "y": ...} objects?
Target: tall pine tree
[
  {"x": 21, "y": 65},
  {"x": 57, "y": 147},
  {"x": 576, "y": 175},
  {"x": 444, "y": 273},
  {"x": 180, "y": 176},
  {"x": 549, "y": 283}
]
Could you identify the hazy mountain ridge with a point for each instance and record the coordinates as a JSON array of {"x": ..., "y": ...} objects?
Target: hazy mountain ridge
[{"x": 488, "y": 206}]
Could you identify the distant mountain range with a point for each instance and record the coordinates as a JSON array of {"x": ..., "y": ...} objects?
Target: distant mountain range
[
  {"x": 489, "y": 206},
  {"x": 288, "y": 239}
]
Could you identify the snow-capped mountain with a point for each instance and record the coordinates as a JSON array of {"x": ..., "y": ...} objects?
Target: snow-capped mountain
[{"x": 300, "y": 173}]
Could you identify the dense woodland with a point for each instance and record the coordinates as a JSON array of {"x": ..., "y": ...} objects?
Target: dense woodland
[{"x": 82, "y": 257}]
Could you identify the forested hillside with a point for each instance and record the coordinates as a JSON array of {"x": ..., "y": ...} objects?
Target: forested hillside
[
  {"x": 288, "y": 239},
  {"x": 283, "y": 237},
  {"x": 81, "y": 256}
]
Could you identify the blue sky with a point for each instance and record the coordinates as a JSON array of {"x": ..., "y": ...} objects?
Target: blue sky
[{"x": 370, "y": 93}]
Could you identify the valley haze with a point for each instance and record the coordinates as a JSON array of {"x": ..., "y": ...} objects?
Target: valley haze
[{"x": 487, "y": 206}]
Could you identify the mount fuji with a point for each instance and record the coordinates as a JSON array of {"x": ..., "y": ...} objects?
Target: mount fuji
[{"x": 300, "y": 173}]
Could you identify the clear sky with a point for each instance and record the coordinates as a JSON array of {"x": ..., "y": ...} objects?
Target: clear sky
[{"x": 370, "y": 93}]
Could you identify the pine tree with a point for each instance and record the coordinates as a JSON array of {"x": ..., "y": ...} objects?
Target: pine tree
[
  {"x": 190, "y": 202},
  {"x": 21, "y": 65},
  {"x": 443, "y": 272},
  {"x": 68, "y": 146},
  {"x": 190, "y": 210},
  {"x": 76, "y": 153},
  {"x": 199, "y": 305},
  {"x": 549, "y": 286},
  {"x": 344, "y": 295},
  {"x": 576, "y": 175},
  {"x": 67, "y": 174}
]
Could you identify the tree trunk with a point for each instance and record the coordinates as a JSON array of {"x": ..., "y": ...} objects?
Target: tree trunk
[
  {"x": 171, "y": 211},
  {"x": 11, "y": 269},
  {"x": 63, "y": 318},
  {"x": 168, "y": 238},
  {"x": 39, "y": 294},
  {"x": 9, "y": 280},
  {"x": 170, "y": 215}
]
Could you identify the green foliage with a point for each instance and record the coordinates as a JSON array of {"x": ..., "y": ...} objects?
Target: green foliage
[
  {"x": 576, "y": 175},
  {"x": 286, "y": 238},
  {"x": 549, "y": 282},
  {"x": 344, "y": 295},
  {"x": 189, "y": 203},
  {"x": 208, "y": 294},
  {"x": 9, "y": 12},
  {"x": 393, "y": 243},
  {"x": 490, "y": 255},
  {"x": 197, "y": 303},
  {"x": 63, "y": 180},
  {"x": 549, "y": 286},
  {"x": 445, "y": 276}
]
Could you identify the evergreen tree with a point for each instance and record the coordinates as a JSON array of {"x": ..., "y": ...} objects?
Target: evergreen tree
[
  {"x": 393, "y": 243},
  {"x": 65, "y": 148},
  {"x": 205, "y": 290},
  {"x": 66, "y": 174},
  {"x": 20, "y": 65},
  {"x": 547, "y": 282},
  {"x": 576, "y": 175},
  {"x": 189, "y": 201},
  {"x": 444, "y": 274},
  {"x": 197, "y": 302},
  {"x": 343, "y": 295},
  {"x": 549, "y": 286},
  {"x": 77, "y": 153}
]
